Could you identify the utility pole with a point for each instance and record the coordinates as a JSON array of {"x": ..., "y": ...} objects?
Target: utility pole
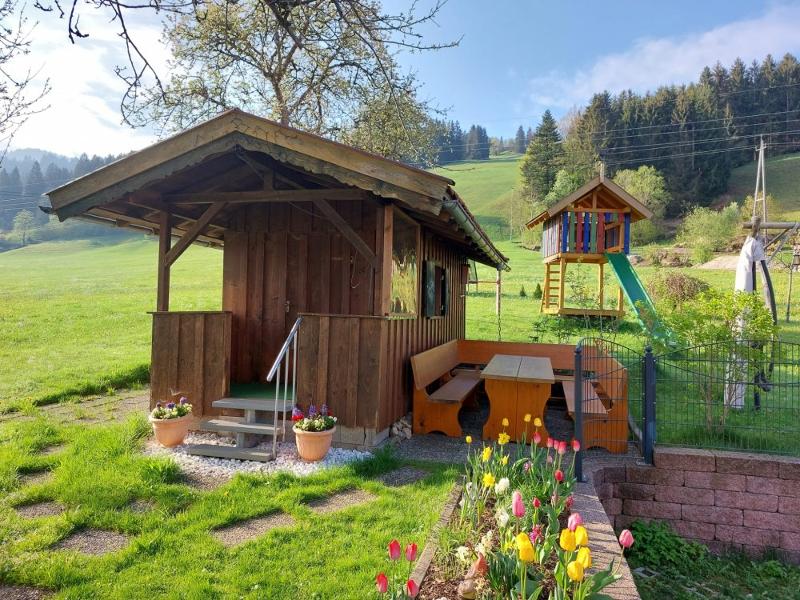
[{"x": 760, "y": 194}]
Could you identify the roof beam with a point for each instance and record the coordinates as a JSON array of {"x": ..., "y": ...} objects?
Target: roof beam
[
  {"x": 348, "y": 232},
  {"x": 192, "y": 233},
  {"x": 264, "y": 196}
]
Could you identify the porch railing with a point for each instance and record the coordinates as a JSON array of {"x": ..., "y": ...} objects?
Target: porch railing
[{"x": 283, "y": 368}]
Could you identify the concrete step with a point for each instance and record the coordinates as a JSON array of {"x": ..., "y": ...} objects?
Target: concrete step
[
  {"x": 230, "y": 452},
  {"x": 237, "y": 426},
  {"x": 251, "y": 404}
]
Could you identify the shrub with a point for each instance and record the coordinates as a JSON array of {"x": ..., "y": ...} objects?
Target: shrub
[
  {"x": 522, "y": 293},
  {"x": 537, "y": 292},
  {"x": 705, "y": 230},
  {"x": 674, "y": 288}
]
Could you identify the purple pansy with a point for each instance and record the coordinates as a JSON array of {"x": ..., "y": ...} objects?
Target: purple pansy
[
  {"x": 170, "y": 406},
  {"x": 324, "y": 410},
  {"x": 159, "y": 405},
  {"x": 183, "y": 400}
]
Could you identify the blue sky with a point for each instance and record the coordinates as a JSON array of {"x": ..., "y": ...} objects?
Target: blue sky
[{"x": 516, "y": 59}]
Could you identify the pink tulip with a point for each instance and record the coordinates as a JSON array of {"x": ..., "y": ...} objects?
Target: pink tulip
[
  {"x": 411, "y": 552},
  {"x": 527, "y": 466},
  {"x": 517, "y": 505},
  {"x": 576, "y": 445},
  {"x": 550, "y": 442},
  {"x": 536, "y": 503},
  {"x": 537, "y": 438},
  {"x": 412, "y": 589},
  {"x": 394, "y": 550},
  {"x": 382, "y": 583},
  {"x": 626, "y": 539},
  {"x": 559, "y": 475},
  {"x": 574, "y": 520},
  {"x": 562, "y": 447}
]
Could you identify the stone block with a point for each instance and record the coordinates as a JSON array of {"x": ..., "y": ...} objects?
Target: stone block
[
  {"x": 653, "y": 510},
  {"x": 692, "y": 530},
  {"x": 683, "y": 495},
  {"x": 684, "y": 459},
  {"x": 747, "y": 464},
  {"x": 750, "y": 501},
  {"x": 712, "y": 514},
  {"x": 746, "y": 536},
  {"x": 715, "y": 481},
  {"x": 612, "y": 506},
  {"x": 771, "y": 520},
  {"x": 634, "y": 491},
  {"x": 654, "y": 476},
  {"x": 789, "y": 505}
]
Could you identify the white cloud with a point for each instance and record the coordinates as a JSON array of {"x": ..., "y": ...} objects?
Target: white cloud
[
  {"x": 83, "y": 113},
  {"x": 675, "y": 60}
]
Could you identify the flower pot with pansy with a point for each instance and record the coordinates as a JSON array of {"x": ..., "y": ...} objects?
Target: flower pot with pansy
[
  {"x": 313, "y": 432},
  {"x": 171, "y": 422}
]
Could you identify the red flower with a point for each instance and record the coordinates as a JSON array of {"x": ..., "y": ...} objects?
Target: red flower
[
  {"x": 411, "y": 552},
  {"x": 626, "y": 539},
  {"x": 412, "y": 589},
  {"x": 394, "y": 550},
  {"x": 562, "y": 447},
  {"x": 576, "y": 445},
  {"x": 559, "y": 475},
  {"x": 537, "y": 438},
  {"x": 550, "y": 442},
  {"x": 536, "y": 503},
  {"x": 382, "y": 583},
  {"x": 569, "y": 501}
]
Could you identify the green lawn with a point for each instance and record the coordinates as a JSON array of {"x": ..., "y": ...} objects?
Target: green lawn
[
  {"x": 171, "y": 553},
  {"x": 783, "y": 183}
]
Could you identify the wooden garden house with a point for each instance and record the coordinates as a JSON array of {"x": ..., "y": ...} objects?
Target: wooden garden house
[
  {"x": 371, "y": 253},
  {"x": 588, "y": 226}
]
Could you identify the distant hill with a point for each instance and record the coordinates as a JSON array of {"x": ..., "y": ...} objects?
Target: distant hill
[
  {"x": 486, "y": 186},
  {"x": 783, "y": 183}
]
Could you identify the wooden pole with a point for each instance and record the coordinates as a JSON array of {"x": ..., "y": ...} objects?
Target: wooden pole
[
  {"x": 601, "y": 286},
  {"x": 497, "y": 293},
  {"x": 164, "y": 243},
  {"x": 383, "y": 297},
  {"x": 563, "y": 277}
]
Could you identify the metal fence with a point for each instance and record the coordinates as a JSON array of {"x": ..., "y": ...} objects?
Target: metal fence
[{"x": 739, "y": 395}]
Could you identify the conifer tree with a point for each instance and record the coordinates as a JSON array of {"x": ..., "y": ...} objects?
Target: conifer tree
[
  {"x": 543, "y": 159},
  {"x": 519, "y": 141}
]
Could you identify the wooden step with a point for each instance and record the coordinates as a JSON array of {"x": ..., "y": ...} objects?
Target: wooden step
[
  {"x": 251, "y": 404},
  {"x": 237, "y": 426},
  {"x": 230, "y": 452}
]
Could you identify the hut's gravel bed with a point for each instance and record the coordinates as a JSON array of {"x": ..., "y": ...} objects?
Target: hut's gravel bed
[{"x": 287, "y": 460}]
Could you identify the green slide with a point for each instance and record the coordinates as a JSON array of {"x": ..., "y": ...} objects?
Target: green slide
[{"x": 637, "y": 296}]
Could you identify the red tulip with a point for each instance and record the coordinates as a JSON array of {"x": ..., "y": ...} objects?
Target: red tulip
[
  {"x": 382, "y": 583},
  {"x": 411, "y": 552},
  {"x": 537, "y": 438},
  {"x": 626, "y": 539},
  {"x": 559, "y": 475},
  {"x": 412, "y": 589},
  {"x": 562, "y": 447},
  {"x": 394, "y": 550},
  {"x": 550, "y": 442},
  {"x": 576, "y": 445},
  {"x": 536, "y": 503}
]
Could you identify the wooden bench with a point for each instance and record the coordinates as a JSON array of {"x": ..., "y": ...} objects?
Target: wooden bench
[{"x": 438, "y": 410}]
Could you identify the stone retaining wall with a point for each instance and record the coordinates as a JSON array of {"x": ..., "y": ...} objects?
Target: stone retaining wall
[{"x": 726, "y": 500}]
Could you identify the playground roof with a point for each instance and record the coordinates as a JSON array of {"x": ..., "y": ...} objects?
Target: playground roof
[{"x": 599, "y": 193}]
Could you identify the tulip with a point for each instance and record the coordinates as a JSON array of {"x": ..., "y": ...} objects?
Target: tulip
[
  {"x": 382, "y": 583},
  {"x": 562, "y": 447},
  {"x": 536, "y": 503},
  {"x": 469, "y": 439},
  {"x": 581, "y": 536},
  {"x": 487, "y": 454},
  {"x": 626, "y": 539},
  {"x": 503, "y": 438},
  {"x": 537, "y": 422},
  {"x": 517, "y": 505},
  {"x": 585, "y": 557},
  {"x": 394, "y": 550},
  {"x": 550, "y": 442},
  {"x": 411, "y": 552},
  {"x": 537, "y": 438},
  {"x": 505, "y": 422},
  {"x": 570, "y": 500},
  {"x": 574, "y": 520},
  {"x": 527, "y": 466},
  {"x": 576, "y": 445},
  {"x": 412, "y": 589},
  {"x": 575, "y": 571},
  {"x": 527, "y": 418},
  {"x": 559, "y": 475},
  {"x": 525, "y": 548},
  {"x": 567, "y": 540}
]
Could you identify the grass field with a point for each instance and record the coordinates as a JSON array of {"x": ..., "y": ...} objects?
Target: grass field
[
  {"x": 171, "y": 552},
  {"x": 783, "y": 183}
]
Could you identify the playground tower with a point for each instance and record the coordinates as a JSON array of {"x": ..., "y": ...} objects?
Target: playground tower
[{"x": 592, "y": 225}]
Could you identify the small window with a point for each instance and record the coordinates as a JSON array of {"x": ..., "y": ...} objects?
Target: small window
[
  {"x": 436, "y": 292},
  {"x": 405, "y": 242}
]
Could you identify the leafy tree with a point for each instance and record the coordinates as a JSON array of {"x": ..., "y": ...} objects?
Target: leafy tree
[
  {"x": 543, "y": 159},
  {"x": 705, "y": 230},
  {"x": 23, "y": 223},
  {"x": 566, "y": 182},
  {"x": 647, "y": 185},
  {"x": 519, "y": 141}
]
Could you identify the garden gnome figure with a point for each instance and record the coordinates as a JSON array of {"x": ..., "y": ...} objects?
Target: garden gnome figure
[{"x": 468, "y": 589}]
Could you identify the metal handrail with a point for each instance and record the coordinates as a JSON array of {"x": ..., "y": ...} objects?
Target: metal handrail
[{"x": 285, "y": 348}]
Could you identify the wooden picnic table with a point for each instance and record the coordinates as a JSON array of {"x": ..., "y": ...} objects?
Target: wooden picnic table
[{"x": 516, "y": 386}]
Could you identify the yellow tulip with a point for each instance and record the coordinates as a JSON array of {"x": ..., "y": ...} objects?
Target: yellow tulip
[
  {"x": 527, "y": 418},
  {"x": 469, "y": 439},
  {"x": 525, "y": 548},
  {"x": 487, "y": 454},
  {"x": 537, "y": 422},
  {"x": 503, "y": 438},
  {"x": 567, "y": 540},
  {"x": 488, "y": 480},
  {"x": 504, "y": 461},
  {"x": 575, "y": 571},
  {"x": 585, "y": 557},
  {"x": 581, "y": 536},
  {"x": 505, "y": 422}
]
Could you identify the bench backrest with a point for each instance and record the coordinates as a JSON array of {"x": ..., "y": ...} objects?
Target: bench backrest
[
  {"x": 430, "y": 365},
  {"x": 562, "y": 356},
  {"x": 610, "y": 374}
]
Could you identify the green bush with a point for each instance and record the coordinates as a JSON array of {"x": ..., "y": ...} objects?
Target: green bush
[
  {"x": 522, "y": 293},
  {"x": 705, "y": 230},
  {"x": 537, "y": 292},
  {"x": 674, "y": 288}
]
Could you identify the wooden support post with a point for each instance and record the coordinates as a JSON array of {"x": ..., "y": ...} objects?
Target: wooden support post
[
  {"x": 497, "y": 293},
  {"x": 563, "y": 265},
  {"x": 383, "y": 280},
  {"x": 601, "y": 286},
  {"x": 194, "y": 231},
  {"x": 620, "y": 302},
  {"x": 164, "y": 243}
]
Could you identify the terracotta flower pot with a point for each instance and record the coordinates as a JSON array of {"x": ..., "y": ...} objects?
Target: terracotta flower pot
[
  {"x": 313, "y": 445},
  {"x": 171, "y": 432}
]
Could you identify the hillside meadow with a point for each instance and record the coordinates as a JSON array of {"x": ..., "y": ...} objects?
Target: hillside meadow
[{"x": 74, "y": 315}]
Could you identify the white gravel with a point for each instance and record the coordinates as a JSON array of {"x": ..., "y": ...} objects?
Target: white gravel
[{"x": 287, "y": 460}]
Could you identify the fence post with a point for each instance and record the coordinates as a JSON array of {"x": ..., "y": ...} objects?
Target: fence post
[
  {"x": 649, "y": 405},
  {"x": 579, "y": 410}
]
